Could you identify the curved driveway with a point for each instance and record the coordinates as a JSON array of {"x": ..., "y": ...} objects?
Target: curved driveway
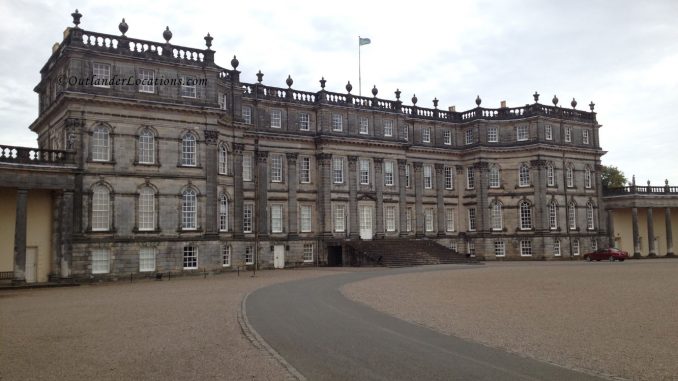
[{"x": 325, "y": 336}]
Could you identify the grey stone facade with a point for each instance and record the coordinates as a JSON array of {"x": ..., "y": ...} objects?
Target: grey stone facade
[{"x": 270, "y": 133}]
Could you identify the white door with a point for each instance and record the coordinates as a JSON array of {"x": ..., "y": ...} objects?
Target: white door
[
  {"x": 279, "y": 256},
  {"x": 31, "y": 264},
  {"x": 366, "y": 222}
]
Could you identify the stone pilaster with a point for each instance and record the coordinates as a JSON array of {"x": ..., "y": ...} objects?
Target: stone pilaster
[
  {"x": 292, "y": 184},
  {"x": 354, "y": 228},
  {"x": 669, "y": 232},
  {"x": 20, "y": 236},
  {"x": 482, "y": 211},
  {"x": 652, "y": 252},
  {"x": 636, "y": 239},
  {"x": 541, "y": 220},
  {"x": 262, "y": 193},
  {"x": 418, "y": 198},
  {"x": 461, "y": 221},
  {"x": 237, "y": 190},
  {"x": 379, "y": 188},
  {"x": 402, "y": 195},
  {"x": 66, "y": 225},
  {"x": 610, "y": 227},
  {"x": 325, "y": 193},
  {"x": 211, "y": 162},
  {"x": 440, "y": 200}
]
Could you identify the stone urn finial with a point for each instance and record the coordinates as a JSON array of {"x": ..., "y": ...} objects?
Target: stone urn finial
[
  {"x": 478, "y": 100},
  {"x": 167, "y": 34},
  {"x": 349, "y": 87},
  {"x": 375, "y": 91},
  {"x": 592, "y": 106},
  {"x": 536, "y": 97},
  {"x": 435, "y": 102},
  {"x": 322, "y": 83},
  {"x": 123, "y": 27},
  {"x": 76, "y": 18},
  {"x": 289, "y": 81},
  {"x": 573, "y": 103},
  {"x": 208, "y": 41},
  {"x": 414, "y": 99},
  {"x": 260, "y": 76},
  {"x": 555, "y": 100},
  {"x": 397, "y": 94},
  {"x": 235, "y": 63}
]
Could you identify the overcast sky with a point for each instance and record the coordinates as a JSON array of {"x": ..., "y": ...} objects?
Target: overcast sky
[{"x": 622, "y": 55}]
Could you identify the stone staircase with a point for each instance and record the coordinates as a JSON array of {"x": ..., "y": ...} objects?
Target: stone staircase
[{"x": 404, "y": 253}]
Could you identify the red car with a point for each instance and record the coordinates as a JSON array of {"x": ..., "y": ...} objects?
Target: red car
[{"x": 610, "y": 254}]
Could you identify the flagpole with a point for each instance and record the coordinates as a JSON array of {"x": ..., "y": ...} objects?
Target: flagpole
[{"x": 360, "y": 84}]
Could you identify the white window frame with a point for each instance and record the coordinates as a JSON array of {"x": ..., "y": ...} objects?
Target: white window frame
[
  {"x": 101, "y": 72},
  {"x": 494, "y": 180},
  {"x": 189, "y": 150},
  {"x": 550, "y": 175},
  {"x": 248, "y": 218},
  {"x": 407, "y": 176},
  {"x": 525, "y": 215},
  {"x": 223, "y": 159},
  {"x": 408, "y": 219},
  {"x": 305, "y": 170},
  {"x": 364, "y": 172},
  {"x": 146, "y": 147},
  {"x": 306, "y": 218},
  {"x": 338, "y": 170},
  {"x": 189, "y": 210},
  {"x": 468, "y": 136},
  {"x": 101, "y": 144},
  {"x": 548, "y": 132},
  {"x": 447, "y": 137},
  {"x": 470, "y": 178},
  {"x": 308, "y": 253},
  {"x": 246, "y": 167},
  {"x": 304, "y": 121},
  {"x": 388, "y": 128},
  {"x": 339, "y": 218},
  {"x": 276, "y": 218},
  {"x": 247, "y": 114},
  {"x": 223, "y": 213},
  {"x": 569, "y": 175},
  {"x": 364, "y": 125},
  {"x": 556, "y": 248},
  {"x": 575, "y": 247},
  {"x": 496, "y": 217},
  {"x": 428, "y": 219},
  {"x": 449, "y": 219},
  {"x": 276, "y": 118},
  {"x": 226, "y": 251},
  {"x": 472, "y": 219},
  {"x": 568, "y": 134},
  {"x": 585, "y": 136},
  {"x": 587, "y": 178},
  {"x": 222, "y": 100},
  {"x": 337, "y": 123},
  {"x": 594, "y": 244},
  {"x": 553, "y": 215},
  {"x": 101, "y": 208},
  {"x": 101, "y": 261},
  {"x": 146, "y": 209},
  {"x": 525, "y": 248},
  {"x": 389, "y": 216},
  {"x": 188, "y": 86},
  {"x": 522, "y": 133},
  {"x": 146, "y": 259},
  {"x": 388, "y": 173},
  {"x": 249, "y": 255},
  {"x": 428, "y": 176},
  {"x": 590, "y": 214},
  {"x": 524, "y": 175},
  {"x": 190, "y": 257},
  {"x": 572, "y": 216},
  {"x": 499, "y": 249},
  {"x": 492, "y": 135},
  {"x": 426, "y": 134},
  {"x": 147, "y": 84},
  {"x": 449, "y": 178},
  {"x": 276, "y": 168}
]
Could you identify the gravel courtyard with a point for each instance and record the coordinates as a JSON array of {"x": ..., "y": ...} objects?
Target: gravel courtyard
[
  {"x": 618, "y": 319},
  {"x": 182, "y": 329}
]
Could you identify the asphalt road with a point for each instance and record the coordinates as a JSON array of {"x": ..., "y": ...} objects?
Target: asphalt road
[{"x": 325, "y": 336}]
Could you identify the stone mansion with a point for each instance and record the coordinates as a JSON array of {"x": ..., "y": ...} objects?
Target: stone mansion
[{"x": 158, "y": 159}]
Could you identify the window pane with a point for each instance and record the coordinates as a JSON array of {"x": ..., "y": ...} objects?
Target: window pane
[
  {"x": 147, "y": 259},
  {"x": 100, "y": 261},
  {"x": 147, "y": 209}
]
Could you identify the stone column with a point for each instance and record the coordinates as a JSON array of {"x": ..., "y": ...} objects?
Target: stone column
[
  {"x": 440, "y": 200},
  {"x": 211, "y": 173},
  {"x": 379, "y": 188},
  {"x": 652, "y": 252},
  {"x": 325, "y": 193},
  {"x": 540, "y": 208},
  {"x": 419, "y": 198},
  {"x": 483, "y": 211},
  {"x": 262, "y": 193},
  {"x": 237, "y": 189},
  {"x": 636, "y": 239},
  {"x": 20, "y": 236},
  {"x": 66, "y": 225},
  {"x": 610, "y": 227},
  {"x": 292, "y": 184},
  {"x": 402, "y": 205},
  {"x": 354, "y": 228},
  {"x": 669, "y": 232}
]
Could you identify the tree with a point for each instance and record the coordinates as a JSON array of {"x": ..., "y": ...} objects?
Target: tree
[{"x": 613, "y": 177}]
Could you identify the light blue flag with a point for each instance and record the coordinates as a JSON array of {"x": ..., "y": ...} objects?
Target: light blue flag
[{"x": 363, "y": 41}]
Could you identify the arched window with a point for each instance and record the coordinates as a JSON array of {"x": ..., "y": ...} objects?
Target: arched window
[
  {"x": 223, "y": 213},
  {"x": 572, "y": 216},
  {"x": 101, "y": 207},
  {"x": 146, "y": 147},
  {"x": 147, "y": 209},
  {"x": 525, "y": 215},
  {"x": 101, "y": 144},
  {"x": 587, "y": 177},
  {"x": 569, "y": 174},
  {"x": 524, "y": 175},
  {"x": 189, "y": 210},
  {"x": 188, "y": 150},
  {"x": 589, "y": 216},
  {"x": 497, "y": 218},
  {"x": 550, "y": 175},
  {"x": 223, "y": 160},
  {"x": 494, "y": 178},
  {"x": 553, "y": 216}
]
